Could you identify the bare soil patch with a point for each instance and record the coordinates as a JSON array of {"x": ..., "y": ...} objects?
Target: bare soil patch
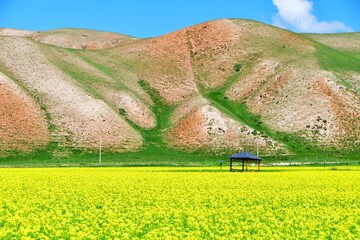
[
  {"x": 22, "y": 124},
  {"x": 165, "y": 63}
]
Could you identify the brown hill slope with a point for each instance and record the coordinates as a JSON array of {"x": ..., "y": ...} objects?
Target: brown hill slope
[
  {"x": 22, "y": 124},
  {"x": 79, "y": 119},
  {"x": 217, "y": 86},
  {"x": 15, "y": 32},
  {"x": 82, "y": 38},
  {"x": 281, "y": 78}
]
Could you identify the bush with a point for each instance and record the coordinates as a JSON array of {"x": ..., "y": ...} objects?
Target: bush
[
  {"x": 237, "y": 67},
  {"x": 122, "y": 112}
]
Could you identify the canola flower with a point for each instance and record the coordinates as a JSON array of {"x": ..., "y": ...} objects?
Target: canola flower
[{"x": 160, "y": 203}]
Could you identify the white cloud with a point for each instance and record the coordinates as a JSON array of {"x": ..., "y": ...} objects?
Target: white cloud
[{"x": 297, "y": 15}]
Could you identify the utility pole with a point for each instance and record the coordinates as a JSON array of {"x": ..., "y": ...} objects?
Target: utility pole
[{"x": 100, "y": 149}]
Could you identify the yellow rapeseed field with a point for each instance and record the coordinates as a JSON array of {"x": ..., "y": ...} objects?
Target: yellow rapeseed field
[{"x": 172, "y": 203}]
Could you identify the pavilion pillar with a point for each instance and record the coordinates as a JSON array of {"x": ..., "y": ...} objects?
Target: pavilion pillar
[
  {"x": 243, "y": 164},
  {"x": 231, "y": 160},
  {"x": 258, "y": 165},
  {"x": 246, "y": 165}
]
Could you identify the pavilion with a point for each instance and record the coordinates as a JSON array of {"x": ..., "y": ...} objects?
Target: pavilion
[{"x": 245, "y": 158}]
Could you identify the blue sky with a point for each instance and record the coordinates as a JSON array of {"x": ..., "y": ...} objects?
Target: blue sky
[{"x": 142, "y": 18}]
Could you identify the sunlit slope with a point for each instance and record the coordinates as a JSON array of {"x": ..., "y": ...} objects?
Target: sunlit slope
[
  {"x": 23, "y": 126},
  {"x": 216, "y": 87},
  {"x": 341, "y": 41},
  {"x": 82, "y": 38},
  {"x": 341, "y": 53},
  {"x": 77, "y": 118}
]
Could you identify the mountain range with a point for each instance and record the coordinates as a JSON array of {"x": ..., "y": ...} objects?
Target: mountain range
[{"x": 217, "y": 87}]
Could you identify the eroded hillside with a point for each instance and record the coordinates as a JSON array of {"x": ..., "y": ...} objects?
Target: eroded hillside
[{"x": 215, "y": 87}]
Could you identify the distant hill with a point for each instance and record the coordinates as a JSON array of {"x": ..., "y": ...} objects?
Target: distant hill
[
  {"x": 217, "y": 87},
  {"x": 349, "y": 42}
]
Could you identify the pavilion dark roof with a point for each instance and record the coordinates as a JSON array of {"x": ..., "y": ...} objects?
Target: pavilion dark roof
[{"x": 245, "y": 155}]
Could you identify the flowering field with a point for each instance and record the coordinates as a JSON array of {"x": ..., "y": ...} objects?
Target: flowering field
[{"x": 178, "y": 203}]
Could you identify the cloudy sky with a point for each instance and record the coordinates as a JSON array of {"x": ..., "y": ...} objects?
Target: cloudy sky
[{"x": 141, "y": 18}]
